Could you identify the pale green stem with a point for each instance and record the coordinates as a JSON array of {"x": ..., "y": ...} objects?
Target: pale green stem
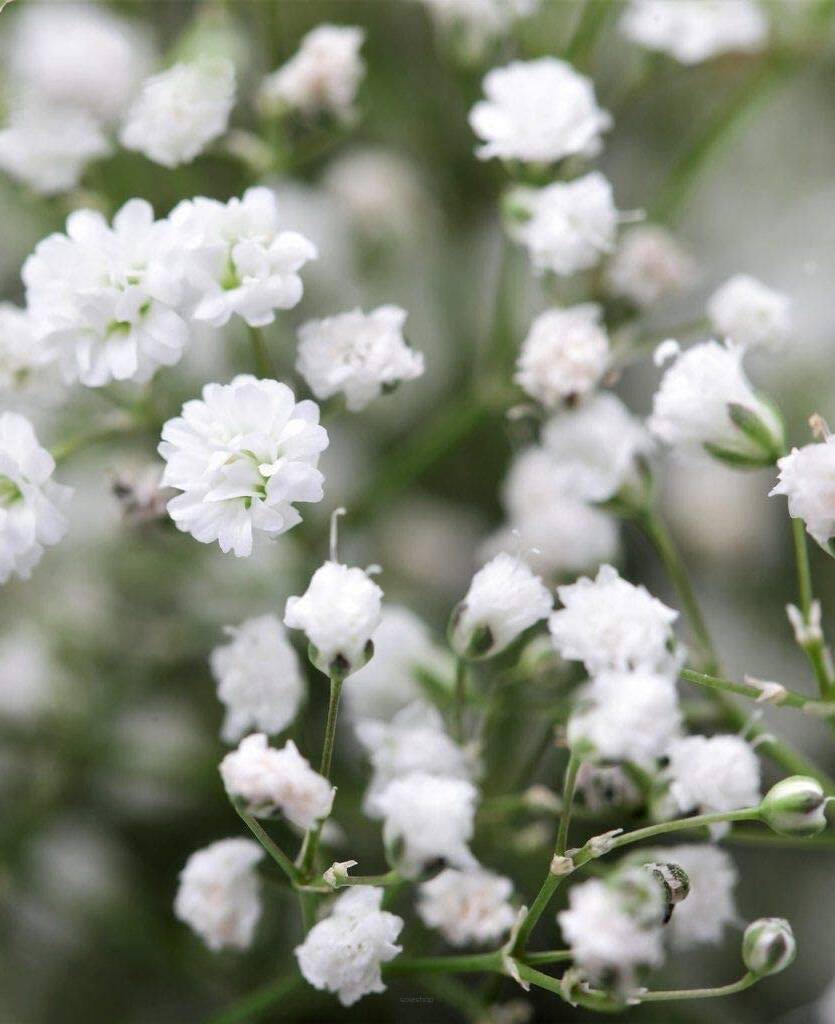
[
  {"x": 65, "y": 449},
  {"x": 272, "y": 848},
  {"x": 252, "y": 1006},
  {"x": 392, "y": 877},
  {"x": 307, "y": 856},
  {"x": 465, "y": 964},
  {"x": 461, "y": 673},
  {"x": 569, "y": 785},
  {"x": 593, "y": 18},
  {"x": 788, "y": 698},
  {"x": 260, "y": 354},
  {"x": 744, "y": 837},
  {"x": 816, "y": 650},
  {"x": 746, "y": 981}
]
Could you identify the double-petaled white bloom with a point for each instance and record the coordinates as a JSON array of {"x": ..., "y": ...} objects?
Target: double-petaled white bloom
[
  {"x": 270, "y": 780},
  {"x": 344, "y": 951},
  {"x": 625, "y": 716},
  {"x": 259, "y": 679},
  {"x": 538, "y": 111},
  {"x": 103, "y": 301},
  {"x": 358, "y": 354},
  {"x": 609, "y": 623},
  {"x": 505, "y": 598},
  {"x": 242, "y": 456},
  {"x": 467, "y": 906},
  {"x": 716, "y": 773},
  {"x": 692, "y": 31},
  {"x": 32, "y": 505},
  {"x": 648, "y": 265},
  {"x": 413, "y": 741},
  {"x": 219, "y": 893},
  {"x": 427, "y": 818},
  {"x": 749, "y": 313},
  {"x": 323, "y": 76},
  {"x": 19, "y": 352},
  {"x": 237, "y": 259},
  {"x": 565, "y": 354},
  {"x": 807, "y": 478},
  {"x": 339, "y": 612},
  {"x": 567, "y": 226},
  {"x": 179, "y": 112},
  {"x": 474, "y": 24}
]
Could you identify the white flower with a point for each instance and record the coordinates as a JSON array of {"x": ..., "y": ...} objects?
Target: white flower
[
  {"x": 414, "y": 741},
  {"x": 32, "y": 505},
  {"x": 339, "y": 612},
  {"x": 323, "y": 76},
  {"x": 608, "y": 623},
  {"x": 359, "y": 354},
  {"x": 343, "y": 952},
  {"x": 378, "y": 189},
  {"x": 403, "y": 645},
  {"x": 626, "y": 716},
  {"x": 267, "y": 780},
  {"x": 564, "y": 355},
  {"x": 467, "y": 906},
  {"x": 534, "y": 482},
  {"x": 218, "y": 895},
  {"x": 709, "y": 905},
  {"x": 428, "y": 818},
  {"x": 258, "y": 678},
  {"x": 103, "y": 301},
  {"x": 475, "y": 24},
  {"x": 749, "y": 313},
  {"x": 19, "y": 353},
  {"x": 242, "y": 456},
  {"x": 566, "y": 226},
  {"x": 692, "y": 31},
  {"x": 648, "y": 265},
  {"x": 505, "y": 598},
  {"x": 238, "y": 260},
  {"x": 807, "y": 478},
  {"x": 48, "y": 147},
  {"x": 32, "y": 681},
  {"x": 180, "y": 111},
  {"x": 538, "y": 111},
  {"x": 716, "y": 773}
]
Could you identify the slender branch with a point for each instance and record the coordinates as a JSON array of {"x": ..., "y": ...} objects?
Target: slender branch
[
  {"x": 815, "y": 646},
  {"x": 753, "y": 837},
  {"x": 260, "y": 353},
  {"x": 547, "y": 956},
  {"x": 569, "y": 784},
  {"x": 746, "y": 981},
  {"x": 592, "y": 20},
  {"x": 465, "y": 964},
  {"x": 62, "y": 451},
  {"x": 785, "y": 697},
  {"x": 250, "y": 1007},
  {"x": 307, "y": 855},
  {"x": 461, "y": 673},
  {"x": 272, "y": 848}
]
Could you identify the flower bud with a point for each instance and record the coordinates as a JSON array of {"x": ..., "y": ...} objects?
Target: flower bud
[
  {"x": 796, "y": 806},
  {"x": 768, "y": 946},
  {"x": 338, "y": 873},
  {"x": 674, "y": 883}
]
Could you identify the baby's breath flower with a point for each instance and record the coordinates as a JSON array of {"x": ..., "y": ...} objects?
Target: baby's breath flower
[
  {"x": 795, "y": 806},
  {"x": 648, "y": 265},
  {"x": 19, "y": 352},
  {"x": 692, "y": 31},
  {"x": 807, "y": 478},
  {"x": 716, "y": 773},
  {"x": 467, "y": 906},
  {"x": 749, "y": 313},
  {"x": 768, "y": 946}
]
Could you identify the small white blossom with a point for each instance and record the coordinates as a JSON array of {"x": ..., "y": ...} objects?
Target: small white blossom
[
  {"x": 322, "y": 77},
  {"x": 609, "y": 623},
  {"x": 180, "y": 111},
  {"x": 267, "y": 780},
  {"x": 358, "y": 354},
  {"x": 505, "y": 598},
  {"x": 716, "y": 773},
  {"x": 218, "y": 895},
  {"x": 428, "y": 818},
  {"x": 807, "y": 478},
  {"x": 567, "y": 226},
  {"x": 378, "y": 190},
  {"x": 648, "y": 265},
  {"x": 565, "y": 354},
  {"x": 258, "y": 677},
  {"x": 467, "y": 906},
  {"x": 692, "y": 31},
  {"x": 242, "y": 456},
  {"x": 32, "y": 505},
  {"x": 344, "y": 951},
  {"x": 538, "y": 111},
  {"x": 19, "y": 353},
  {"x": 339, "y": 612},
  {"x": 749, "y": 313}
]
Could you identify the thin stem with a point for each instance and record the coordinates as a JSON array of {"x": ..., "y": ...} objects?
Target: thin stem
[
  {"x": 660, "y": 996},
  {"x": 260, "y": 353},
  {"x": 460, "y": 698},
  {"x": 392, "y": 877},
  {"x": 591, "y": 22},
  {"x": 785, "y": 698},
  {"x": 815, "y": 647},
  {"x": 589, "y": 998},
  {"x": 65, "y": 449},
  {"x": 547, "y": 956},
  {"x": 752, "y": 837},
  {"x": 569, "y": 784},
  {"x": 457, "y": 994},
  {"x": 272, "y": 848},
  {"x": 310, "y": 845},
  {"x": 466, "y": 964},
  {"x": 250, "y": 1007},
  {"x": 804, "y": 571}
]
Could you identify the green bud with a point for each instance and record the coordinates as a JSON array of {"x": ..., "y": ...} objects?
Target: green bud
[
  {"x": 768, "y": 946},
  {"x": 796, "y": 806},
  {"x": 674, "y": 883}
]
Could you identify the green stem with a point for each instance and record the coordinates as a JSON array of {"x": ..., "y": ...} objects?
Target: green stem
[
  {"x": 460, "y": 699},
  {"x": 789, "y": 699},
  {"x": 252, "y": 1006},
  {"x": 65, "y": 449},
  {"x": 392, "y": 877},
  {"x": 307, "y": 855},
  {"x": 592, "y": 20},
  {"x": 815, "y": 649},
  {"x": 547, "y": 956},
  {"x": 744, "y": 837},
  {"x": 569, "y": 784},
  {"x": 700, "y": 993},
  {"x": 272, "y": 848},
  {"x": 260, "y": 354},
  {"x": 466, "y": 964},
  {"x": 588, "y": 998}
]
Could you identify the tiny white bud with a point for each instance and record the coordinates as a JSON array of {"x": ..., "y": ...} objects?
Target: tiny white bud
[
  {"x": 795, "y": 806},
  {"x": 768, "y": 946},
  {"x": 561, "y": 865},
  {"x": 770, "y": 692},
  {"x": 337, "y": 873}
]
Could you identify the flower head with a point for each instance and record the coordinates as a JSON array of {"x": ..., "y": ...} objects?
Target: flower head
[
  {"x": 749, "y": 313},
  {"x": 716, "y": 773},
  {"x": 692, "y": 31},
  {"x": 807, "y": 478},
  {"x": 648, "y": 265},
  {"x": 467, "y": 906}
]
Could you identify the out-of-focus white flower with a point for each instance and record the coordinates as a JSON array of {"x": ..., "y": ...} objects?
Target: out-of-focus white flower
[
  {"x": 692, "y": 31},
  {"x": 807, "y": 478},
  {"x": 538, "y": 111},
  {"x": 749, "y": 313},
  {"x": 648, "y": 265},
  {"x": 467, "y": 906},
  {"x": 413, "y": 741},
  {"x": 567, "y": 226},
  {"x": 428, "y": 818},
  {"x": 179, "y": 112},
  {"x": 609, "y": 623},
  {"x": 218, "y": 895},
  {"x": 237, "y": 259},
  {"x": 48, "y": 147},
  {"x": 626, "y": 716},
  {"x": 564, "y": 355},
  {"x": 378, "y": 189},
  {"x": 322, "y": 77},
  {"x": 343, "y": 952},
  {"x": 32, "y": 505},
  {"x": 402, "y": 646},
  {"x": 242, "y": 456},
  {"x": 268, "y": 780},
  {"x": 533, "y": 482},
  {"x": 258, "y": 678},
  {"x": 716, "y": 773},
  {"x": 19, "y": 354},
  {"x": 31, "y": 682},
  {"x": 339, "y": 612},
  {"x": 475, "y": 24},
  {"x": 505, "y": 598},
  {"x": 359, "y": 354}
]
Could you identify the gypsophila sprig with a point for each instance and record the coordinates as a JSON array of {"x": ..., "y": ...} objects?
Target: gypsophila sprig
[
  {"x": 467, "y": 906},
  {"x": 716, "y": 773}
]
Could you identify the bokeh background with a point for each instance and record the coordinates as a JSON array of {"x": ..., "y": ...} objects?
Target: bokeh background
[{"x": 108, "y": 718}]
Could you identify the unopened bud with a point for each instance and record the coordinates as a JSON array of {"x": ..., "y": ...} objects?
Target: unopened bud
[
  {"x": 768, "y": 946},
  {"x": 337, "y": 873},
  {"x": 796, "y": 806},
  {"x": 674, "y": 883}
]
